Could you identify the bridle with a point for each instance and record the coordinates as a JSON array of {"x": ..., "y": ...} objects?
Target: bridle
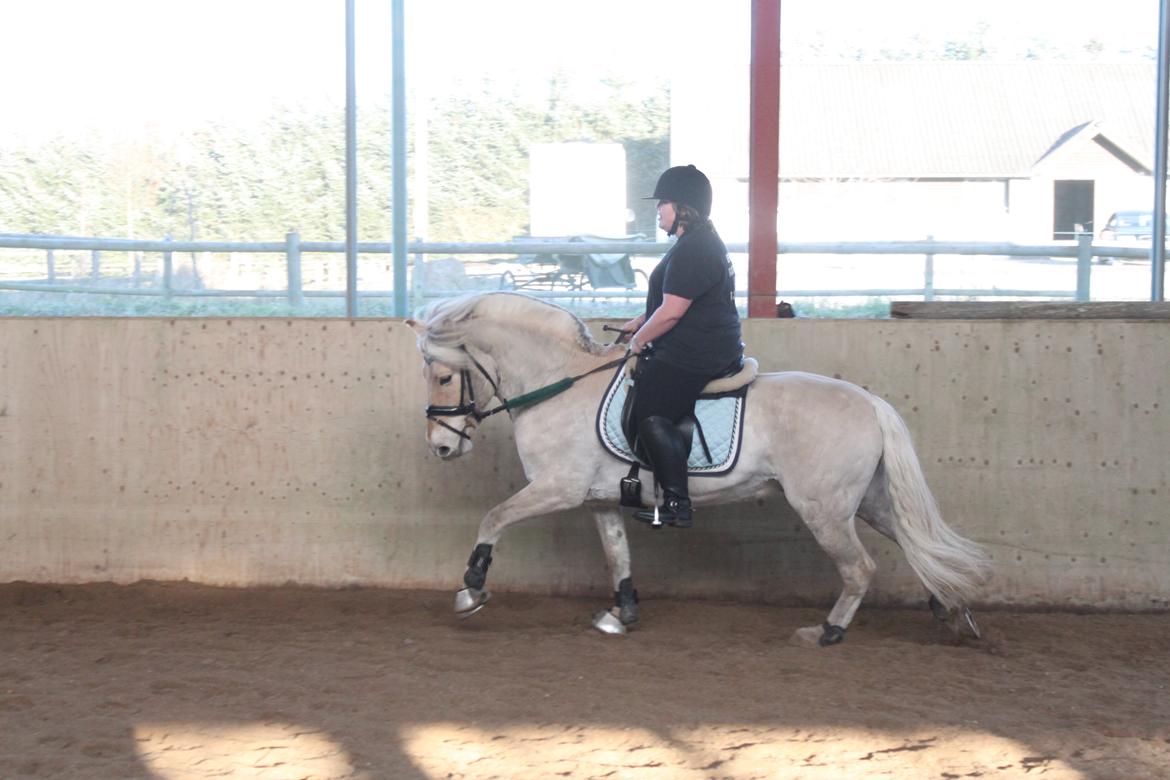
[{"x": 467, "y": 406}]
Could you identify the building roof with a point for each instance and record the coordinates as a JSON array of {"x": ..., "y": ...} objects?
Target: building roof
[{"x": 885, "y": 120}]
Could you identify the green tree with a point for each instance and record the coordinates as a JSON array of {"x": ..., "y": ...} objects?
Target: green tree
[{"x": 221, "y": 182}]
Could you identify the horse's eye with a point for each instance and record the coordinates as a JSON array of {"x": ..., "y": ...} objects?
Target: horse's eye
[{"x": 445, "y": 380}]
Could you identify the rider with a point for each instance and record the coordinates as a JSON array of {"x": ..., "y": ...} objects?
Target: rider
[{"x": 688, "y": 335}]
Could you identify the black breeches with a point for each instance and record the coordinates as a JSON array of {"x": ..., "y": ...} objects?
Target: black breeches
[{"x": 665, "y": 391}]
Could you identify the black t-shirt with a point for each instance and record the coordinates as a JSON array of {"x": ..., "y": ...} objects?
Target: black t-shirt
[{"x": 706, "y": 339}]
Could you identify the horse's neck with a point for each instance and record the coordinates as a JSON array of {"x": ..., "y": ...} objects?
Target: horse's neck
[{"x": 527, "y": 360}]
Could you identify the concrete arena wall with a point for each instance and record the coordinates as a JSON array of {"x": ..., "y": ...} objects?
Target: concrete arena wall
[{"x": 242, "y": 452}]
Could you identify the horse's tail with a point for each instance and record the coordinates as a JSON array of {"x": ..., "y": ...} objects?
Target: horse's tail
[{"x": 949, "y": 565}]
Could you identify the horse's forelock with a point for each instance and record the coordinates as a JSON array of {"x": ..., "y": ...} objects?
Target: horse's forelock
[
  {"x": 452, "y": 357},
  {"x": 444, "y": 331}
]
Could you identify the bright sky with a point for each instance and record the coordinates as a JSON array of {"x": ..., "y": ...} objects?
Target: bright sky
[{"x": 121, "y": 63}]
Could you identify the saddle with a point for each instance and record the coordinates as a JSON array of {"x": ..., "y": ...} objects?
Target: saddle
[
  {"x": 730, "y": 382},
  {"x": 718, "y": 420}
]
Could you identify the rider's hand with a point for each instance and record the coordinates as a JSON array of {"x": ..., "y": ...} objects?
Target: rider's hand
[{"x": 629, "y": 328}]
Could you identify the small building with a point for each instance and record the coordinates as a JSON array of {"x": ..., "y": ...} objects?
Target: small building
[{"x": 1022, "y": 151}]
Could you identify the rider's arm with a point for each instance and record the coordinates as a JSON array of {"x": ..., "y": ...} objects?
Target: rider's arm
[{"x": 662, "y": 320}]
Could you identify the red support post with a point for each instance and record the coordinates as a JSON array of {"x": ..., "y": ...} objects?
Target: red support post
[{"x": 764, "y": 165}]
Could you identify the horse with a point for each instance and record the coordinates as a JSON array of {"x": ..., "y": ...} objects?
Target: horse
[{"x": 837, "y": 452}]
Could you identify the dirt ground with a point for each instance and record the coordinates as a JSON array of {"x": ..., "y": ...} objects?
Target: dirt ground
[{"x": 185, "y": 681}]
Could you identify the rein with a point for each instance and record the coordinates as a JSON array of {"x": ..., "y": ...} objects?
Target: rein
[{"x": 467, "y": 407}]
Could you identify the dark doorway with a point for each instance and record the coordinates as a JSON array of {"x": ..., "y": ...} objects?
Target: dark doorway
[{"x": 1072, "y": 211}]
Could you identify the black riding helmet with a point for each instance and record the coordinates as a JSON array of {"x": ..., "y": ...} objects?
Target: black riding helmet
[{"x": 684, "y": 185}]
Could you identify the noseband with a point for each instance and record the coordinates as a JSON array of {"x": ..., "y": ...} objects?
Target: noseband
[{"x": 467, "y": 406}]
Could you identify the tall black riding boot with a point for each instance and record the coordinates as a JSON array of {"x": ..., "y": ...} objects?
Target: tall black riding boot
[{"x": 667, "y": 452}]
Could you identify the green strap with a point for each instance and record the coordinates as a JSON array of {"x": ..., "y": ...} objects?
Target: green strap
[
  {"x": 548, "y": 391},
  {"x": 541, "y": 393}
]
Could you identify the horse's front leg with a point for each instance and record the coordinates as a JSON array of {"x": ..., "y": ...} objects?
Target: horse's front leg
[
  {"x": 538, "y": 498},
  {"x": 624, "y": 613}
]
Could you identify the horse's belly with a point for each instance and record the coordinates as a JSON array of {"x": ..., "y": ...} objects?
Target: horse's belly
[{"x": 727, "y": 489}]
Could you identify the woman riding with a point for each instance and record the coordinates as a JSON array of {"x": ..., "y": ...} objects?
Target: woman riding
[{"x": 688, "y": 335}]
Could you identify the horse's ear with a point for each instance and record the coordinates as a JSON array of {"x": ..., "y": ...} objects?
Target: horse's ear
[{"x": 417, "y": 326}]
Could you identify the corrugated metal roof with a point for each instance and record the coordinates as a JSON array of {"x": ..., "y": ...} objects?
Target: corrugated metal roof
[{"x": 954, "y": 119}]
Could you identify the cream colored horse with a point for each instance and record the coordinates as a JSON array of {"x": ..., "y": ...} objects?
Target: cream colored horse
[{"x": 837, "y": 452}]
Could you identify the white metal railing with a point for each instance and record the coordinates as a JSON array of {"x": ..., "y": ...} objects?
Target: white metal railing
[{"x": 292, "y": 248}]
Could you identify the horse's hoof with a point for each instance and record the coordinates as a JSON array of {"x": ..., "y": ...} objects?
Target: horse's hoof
[
  {"x": 607, "y": 622},
  {"x": 809, "y": 636},
  {"x": 832, "y": 635},
  {"x": 940, "y": 612},
  {"x": 962, "y": 622},
  {"x": 627, "y": 614},
  {"x": 470, "y": 600}
]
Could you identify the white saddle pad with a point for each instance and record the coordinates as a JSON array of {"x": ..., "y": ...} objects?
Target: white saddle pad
[{"x": 721, "y": 419}]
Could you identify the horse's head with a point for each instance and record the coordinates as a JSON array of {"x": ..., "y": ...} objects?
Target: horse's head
[
  {"x": 475, "y": 344},
  {"x": 456, "y": 397}
]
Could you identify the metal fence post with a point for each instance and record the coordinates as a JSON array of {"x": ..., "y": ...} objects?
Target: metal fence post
[
  {"x": 95, "y": 264},
  {"x": 1084, "y": 264},
  {"x": 168, "y": 270},
  {"x": 416, "y": 279},
  {"x": 292, "y": 259},
  {"x": 51, "y": 265},
  {"x": 928, "y": 280}
]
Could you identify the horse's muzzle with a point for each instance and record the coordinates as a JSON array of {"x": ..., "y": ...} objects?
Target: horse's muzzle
[
  {"x": 445, "y": 452},
  {"x": 450, "y": 451}
]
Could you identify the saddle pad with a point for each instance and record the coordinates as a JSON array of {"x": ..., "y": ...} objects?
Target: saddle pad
[{"x": 721, "y": 418}]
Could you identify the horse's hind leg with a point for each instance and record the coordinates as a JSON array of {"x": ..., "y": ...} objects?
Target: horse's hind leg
[
  {"x": 877, "y": 510},
  {"x": 837, "y": 535},
  {"x": 612, "y": 530}
]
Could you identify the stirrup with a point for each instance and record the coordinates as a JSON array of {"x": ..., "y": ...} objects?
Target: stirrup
[
  {"x": 663, "y": 515},
  {"x": 653, "y": 520}
]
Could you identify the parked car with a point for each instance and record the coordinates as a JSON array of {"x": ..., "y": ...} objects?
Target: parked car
[{"x": 1127, "y": 228}]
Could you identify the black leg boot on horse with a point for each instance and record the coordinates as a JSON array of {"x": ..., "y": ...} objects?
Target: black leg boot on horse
[{"x": 667, "y": 451}]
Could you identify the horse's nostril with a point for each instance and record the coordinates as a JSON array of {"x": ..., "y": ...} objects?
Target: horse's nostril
[{"x": 443, "y": 451}]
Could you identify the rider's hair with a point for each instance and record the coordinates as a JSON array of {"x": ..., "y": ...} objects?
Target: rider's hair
[{"x": 689, "y": 217}]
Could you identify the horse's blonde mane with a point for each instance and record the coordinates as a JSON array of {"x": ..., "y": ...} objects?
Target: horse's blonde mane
[{"x": 450, "y": 322}]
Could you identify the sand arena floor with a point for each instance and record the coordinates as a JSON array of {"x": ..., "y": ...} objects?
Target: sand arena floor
[{"x": 183, "y": 681}]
